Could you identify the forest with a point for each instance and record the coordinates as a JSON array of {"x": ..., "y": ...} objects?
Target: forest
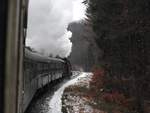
[{"x": 122, "y": 29}]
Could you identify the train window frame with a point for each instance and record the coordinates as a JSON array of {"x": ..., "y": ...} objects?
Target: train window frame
[{"x": 3, "y": 34}]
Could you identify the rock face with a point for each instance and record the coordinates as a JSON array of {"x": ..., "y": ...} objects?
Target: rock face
[{"x": 85, "y": 53}]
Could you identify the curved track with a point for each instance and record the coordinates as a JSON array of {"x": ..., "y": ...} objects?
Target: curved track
[{"x": 45, "y": 102}]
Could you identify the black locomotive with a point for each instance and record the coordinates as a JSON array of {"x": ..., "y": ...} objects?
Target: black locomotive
[{"x": 39, "y": 71}]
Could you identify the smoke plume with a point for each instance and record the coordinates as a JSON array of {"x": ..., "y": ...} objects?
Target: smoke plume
[{"x": 47, "y": 26}]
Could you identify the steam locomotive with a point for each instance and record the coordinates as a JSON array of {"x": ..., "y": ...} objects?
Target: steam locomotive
[{"x": 40, "y": 71}]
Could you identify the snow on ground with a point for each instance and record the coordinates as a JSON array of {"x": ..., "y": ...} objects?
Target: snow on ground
[
  {"x": 74, "y": 100},
  {"x": 76, "y": 104},
  {"x": 84, "y": 81},
  {"x": 56, "y": 103}
]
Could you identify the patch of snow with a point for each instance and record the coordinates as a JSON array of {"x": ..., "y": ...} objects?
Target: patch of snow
[
  {"x": 88, "y": 109},
  {"x": 56, "y": 104},
  {"x": 74, "y": 101},
  {"x": 84, "y": 81},
  {"x": 75, "y": 73}
]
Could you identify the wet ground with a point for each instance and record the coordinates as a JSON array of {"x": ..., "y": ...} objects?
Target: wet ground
[
  {"x": 40, "y": 103},
  {"x": 56, "y": 101},
  {"x": 42, "y": 100}
]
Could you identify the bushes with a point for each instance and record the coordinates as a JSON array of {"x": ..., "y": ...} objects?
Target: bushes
[
  {"x": 97, "y": 82},
  {"x": 108, "y": 89},
  {"x": 115, "y": 97}
]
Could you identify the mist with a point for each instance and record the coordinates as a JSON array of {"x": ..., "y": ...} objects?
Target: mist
[{"x": 47, "y": 25}]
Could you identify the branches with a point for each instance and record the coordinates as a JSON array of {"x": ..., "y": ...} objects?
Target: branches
[{"x": 122, "y": 28}]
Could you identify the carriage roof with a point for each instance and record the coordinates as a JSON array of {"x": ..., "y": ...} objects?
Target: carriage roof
[{"x": 37, "y": 57}]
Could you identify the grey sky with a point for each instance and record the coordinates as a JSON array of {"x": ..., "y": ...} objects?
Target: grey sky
[{"x": 48, "y": 21}]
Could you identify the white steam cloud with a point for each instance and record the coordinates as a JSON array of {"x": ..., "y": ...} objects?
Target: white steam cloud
[{"x": 47, "y": 25}]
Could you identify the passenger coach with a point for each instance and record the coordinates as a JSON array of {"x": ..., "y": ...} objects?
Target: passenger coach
[{"x": 40, "y": 71}]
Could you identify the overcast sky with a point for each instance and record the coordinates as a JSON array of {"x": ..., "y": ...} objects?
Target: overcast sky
[{"x": 47, "y": 25}]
